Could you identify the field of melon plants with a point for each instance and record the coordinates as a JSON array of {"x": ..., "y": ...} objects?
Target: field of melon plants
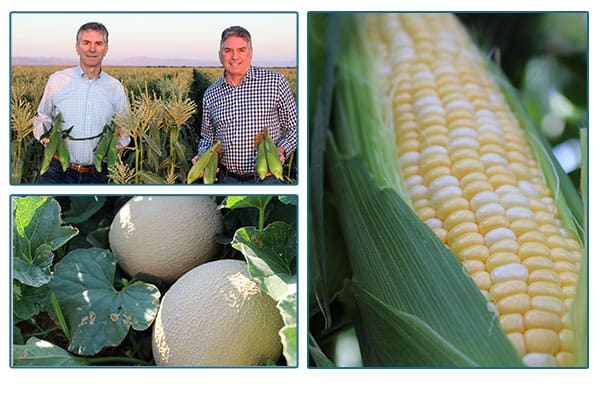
[
  {"x": 164, "y": 122},
  {"x": 105, "y": 281}
]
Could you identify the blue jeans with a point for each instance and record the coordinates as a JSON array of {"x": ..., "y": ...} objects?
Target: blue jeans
[{"x": 55, "y": 174}]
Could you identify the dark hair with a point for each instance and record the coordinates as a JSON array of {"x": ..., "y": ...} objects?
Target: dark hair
[
  {"x": 236, "y": 31},
  {"x": 93, "y": 26}
]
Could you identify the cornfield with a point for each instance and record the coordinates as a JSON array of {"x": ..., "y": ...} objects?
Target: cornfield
[{"x": 164, "y": 121}]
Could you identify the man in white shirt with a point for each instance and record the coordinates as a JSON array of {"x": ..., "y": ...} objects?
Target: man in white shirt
[{"x": 87, "y": 98}]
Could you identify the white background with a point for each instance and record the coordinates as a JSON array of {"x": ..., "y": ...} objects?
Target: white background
[{"x": 284, "y": 383}]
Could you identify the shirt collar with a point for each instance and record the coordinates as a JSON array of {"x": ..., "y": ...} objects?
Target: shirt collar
[
  {"x": 251, "y": 73},
  {"x": 81, "y": 74}
]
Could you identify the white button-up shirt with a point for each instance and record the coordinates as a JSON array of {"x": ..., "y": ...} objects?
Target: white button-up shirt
[{"x": 86, "y": 105}]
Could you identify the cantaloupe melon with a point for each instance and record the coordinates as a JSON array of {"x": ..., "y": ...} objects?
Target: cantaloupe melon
[
  {"x": 216, "y": 315},
  {"x": 165, "y": 236}
]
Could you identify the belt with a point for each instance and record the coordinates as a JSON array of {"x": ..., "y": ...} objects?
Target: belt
[
  {"x": 82, "y": 169},
  {"x": 223, "y": 171}
]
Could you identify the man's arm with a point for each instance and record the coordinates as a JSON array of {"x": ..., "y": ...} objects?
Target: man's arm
[
  {"x": 45, "y": 114},
  {"x": 288, "y": 116}
]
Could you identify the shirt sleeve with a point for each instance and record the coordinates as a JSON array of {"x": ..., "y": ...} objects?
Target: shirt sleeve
[
  {"x": 45, "y": 112},
  {"x": 288, "y": 116}
]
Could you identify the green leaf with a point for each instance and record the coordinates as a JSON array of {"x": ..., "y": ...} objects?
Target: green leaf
[
  {"x": 37, "y": 232},
  {"x": 399, "y": 261},
  {"x": 289, "y": 338},
  {"x": 41, "y": 353},
  {"x": 98, "y": 315},
  {"x": 233, "y": 202},
  {"x": 269, "y": 254},
  {"x": 150, "y": 177},
  {"x": 29, "y": 301},
  {"x": 288, "y": 199},
  {"x": 82, "y": 208},
  {"x": 319, "y": 358}
]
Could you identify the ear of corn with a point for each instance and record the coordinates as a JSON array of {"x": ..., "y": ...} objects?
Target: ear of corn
[{"x": 470, "y": 167}]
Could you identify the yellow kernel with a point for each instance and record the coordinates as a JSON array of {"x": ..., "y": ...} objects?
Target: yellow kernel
[
  {"x": 458, "y": 217},
  {"x": 493, "y": 222},
  {"x": 512, "y": 323},
  {"x": 516, "y": 303},
  {"x": 568, "y": 279},
  {"x": 489, "y": 210},
  {"x": 506, "y": 245},
  {"x": 497, "y": 259},
  {"x": 482, "y": 280},
  {"x": 535, "y": 263},
  {"x": 521, "y": 226},
  {"x": 542, "y": 319},
  {"x": 541, "y": 341},
  {"x": 535, "y": 236},
  {"x": 518, "y": 340},
  {"x": 430, "y": 175},
  {"x": 533, "y": 249},
  {"x": 466, "y": 240},
  {"x": 548, "y": 303},
  {"x": 508, "y": 288},
  {"x": 560, "y": 254},
  {"x": 544, "y": 275},
  {"x": 463, "y": 167},
  {"x": 460, "y": 229},
  {"x": 544, "y": 288},
  {"x": 473, "y": 266},
  {"x": 451, "y": 206},
  {"x": 565, "y": 359},
  {"x": 473, "y": 253}
]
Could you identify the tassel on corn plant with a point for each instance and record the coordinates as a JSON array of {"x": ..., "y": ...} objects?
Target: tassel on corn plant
[{"x": 441, "y": 130}]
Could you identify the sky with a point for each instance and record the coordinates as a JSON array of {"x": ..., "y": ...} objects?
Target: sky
[{"x": 162, "y": 35}]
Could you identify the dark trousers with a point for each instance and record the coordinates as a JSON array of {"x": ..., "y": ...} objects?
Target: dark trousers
[
  {"x": 224, "y": 176},
  {"x": 55, "y": 174}
]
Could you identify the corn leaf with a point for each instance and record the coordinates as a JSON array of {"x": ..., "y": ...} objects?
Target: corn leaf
[{"x": 415, "y": 288}]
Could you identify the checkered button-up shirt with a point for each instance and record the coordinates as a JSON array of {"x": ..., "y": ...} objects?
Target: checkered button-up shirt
[
  {"x": 86, "y": 105},
  {"x": 236, "y": 114}
]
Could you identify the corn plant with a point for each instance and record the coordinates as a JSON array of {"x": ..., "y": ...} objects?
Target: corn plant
[{"x": 463, "y": 236}]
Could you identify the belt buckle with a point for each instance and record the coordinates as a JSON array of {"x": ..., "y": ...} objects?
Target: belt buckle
[{"x": 78, "y": 168}]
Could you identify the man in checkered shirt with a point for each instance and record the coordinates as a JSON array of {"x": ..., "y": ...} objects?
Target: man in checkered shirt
[{"x": 239, "y": 105}]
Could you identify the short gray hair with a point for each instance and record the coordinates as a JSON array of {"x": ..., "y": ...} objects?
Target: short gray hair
[
  {"x": 235, "y": 31},
  {"x": 93, "y": 26}
]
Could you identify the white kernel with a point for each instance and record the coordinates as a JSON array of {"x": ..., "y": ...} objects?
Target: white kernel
[
  {"x": 409, "y": 158},
  {"x": 445, "y": 69},
  {"x": 506, "y": 189},
  {"x": 460, "y": 104},
  {"x": 425, "y": 75},
  {"x": 514, "y": 199},
  {"x": 417, "y": 192},
  {"x": 462, "y": 132},
  {"x": 488, "y": 210},
  {"x": 539, "y": 360},
  {"x": 434, "y": 223},
  {"x": 491, "y": 159},
  {"x": 445, "y": 194},
  {"x": 441, "y": 182},
  {"x": 514, "y": 213},
  {"x": 491, "y": 127},
  {"x": 485, "y": 113},
  {"x": 510, "y": 272},
  {"x": 430, "y": 109},
  {"x": 434, "y": 150},
  {"x": 528, "y": 188},
  {"x": 484, "y": 197},
  {"x": 495, "y": 235},
  {"x": 463, "y": 142},
  {"x": 413, "y": 180}
]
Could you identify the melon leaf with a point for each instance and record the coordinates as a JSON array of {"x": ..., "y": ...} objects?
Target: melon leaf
[
  {"x": 37, "y": 352},
  {"x": 271, "y": 255},
  {"x": 37, "y": 232},
  {"x": 97, "y": 314}
]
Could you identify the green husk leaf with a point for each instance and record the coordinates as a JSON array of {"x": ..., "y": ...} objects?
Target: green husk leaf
[
  {"x": 399, "y": 260},
  {"x": 579, "y": 309},
  {"x": 319, "y": 358}
]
